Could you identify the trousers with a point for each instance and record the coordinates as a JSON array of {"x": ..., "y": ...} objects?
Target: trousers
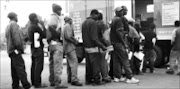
[
  {"x": 56, "y": 63},
  {"x": 18, "y": 72},
  {"x": 121, "y": 59},
  {"x": 37, "y": 65},
  {"x": 93, "y": 67},
  {"x": 72, "y": 65}
]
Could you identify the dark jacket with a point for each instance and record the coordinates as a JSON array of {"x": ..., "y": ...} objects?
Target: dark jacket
[
  {"x": 90, "y": 34},
  {"x": 34, "y": 28},
  {"x": 13, "y": 37},
  {"x": 149, "y": 35},
  {"x": 176, "y": 43},
  {"x": 118, "y": 31}
]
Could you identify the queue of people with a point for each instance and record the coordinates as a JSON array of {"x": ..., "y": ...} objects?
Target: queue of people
[{"x": 101, "y": 42}]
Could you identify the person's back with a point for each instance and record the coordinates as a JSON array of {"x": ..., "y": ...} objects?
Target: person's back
[
  {"x": 150, "y": 55},
  {"x": 13, "y": 37},
  {"x": 174, "y": 58},
  {"x": 176, "y": 43},
  {"x": 149, "y": 35},
  {"x": 86, "y": 30},
  {"x": 113, "y": 35}
]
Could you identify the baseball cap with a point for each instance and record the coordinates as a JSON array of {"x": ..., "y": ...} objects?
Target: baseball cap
[{"x": 118, "y": 9}]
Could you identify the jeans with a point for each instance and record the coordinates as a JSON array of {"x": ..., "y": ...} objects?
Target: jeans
[
  {"x": 56, "y": 63},
  {"x": 18, "y": 72},
  {"x": 93, "y": 67},
  {"x": 121, "y": 59},
  {"x": 150, "y": 55},
  {"x": 174, "y": 56},
  {"x": 72, "y": 65},
  {"x": 104, "y": 66},
  {"x": 37, "y": 65}
]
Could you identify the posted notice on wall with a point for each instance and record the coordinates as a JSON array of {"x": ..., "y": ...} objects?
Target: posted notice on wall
[{"x": 170, "y": 12}]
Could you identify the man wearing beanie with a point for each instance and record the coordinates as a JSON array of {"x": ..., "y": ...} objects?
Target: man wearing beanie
[
  {"x": 53, "y": 36},
  {"x": 69, "y": 43},
  {"x": 35, "y": 36},
  {"x": 15, "y": 50}
]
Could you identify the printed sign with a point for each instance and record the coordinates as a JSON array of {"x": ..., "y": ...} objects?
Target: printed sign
[{"x": 170, "y": 13}]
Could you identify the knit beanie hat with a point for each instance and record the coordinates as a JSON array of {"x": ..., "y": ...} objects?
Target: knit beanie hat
[
  {"x": 56, "y": 7},
  {"x": 12, "y": 15}
]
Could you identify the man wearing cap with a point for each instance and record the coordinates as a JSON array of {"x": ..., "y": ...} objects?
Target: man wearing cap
[
  {"x": 92, "y": 47},
  {"x": 15, "y": 50},
  {"x": 118, "y": 34},
  {"x": 69, "y": 43},
  {"x": 53, "y": 36},
  {"x": 36, "y": 35}
]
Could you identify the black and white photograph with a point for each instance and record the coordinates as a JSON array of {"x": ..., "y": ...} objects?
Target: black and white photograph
[{"x": 89, "y": 44}]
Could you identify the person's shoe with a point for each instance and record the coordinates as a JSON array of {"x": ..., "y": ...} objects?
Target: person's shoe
[
  {"x": 89, "y": 82},
  {"x": 116, "y": 80},
  {"x": 170, "y": 71},
  {"x": 52, "y": 84},
  {"x": 140, "y": 73},
  {"x": 20, "y": 87},
  {"x": 40, "y": 86},
  {"x": 60, "y": 86},
  {"x": 152, "y": 71},
  {"x": 132, "y": 81},
  {"x": 76, "y": 83},
  {"x": 69, "y": 81},
  {"x": 178, "y": 73},
  {"x": 144, "y": 71},
  {"x": 122, "y": 79},
  {"x": 29, "y": 88},
  {"x": 107, "y": 80},
  {"x": 99, "y": 83}
]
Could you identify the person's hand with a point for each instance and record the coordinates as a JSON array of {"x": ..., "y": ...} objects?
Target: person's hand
[{"x": 104, "y": 48}]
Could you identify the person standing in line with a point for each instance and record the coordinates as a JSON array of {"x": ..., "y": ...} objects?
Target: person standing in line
[
  {"x": 175, "y": 51},
  {"x": 36, "y": 35},
  {"x": 69, "y": 43},
  {"x": 53, "y": 35},
  {"x": 118, "y": 34},
  {"x": 134, "y": 42},
  {"x": 150, "y": 55},
  {"x": 92, "y": 47},
  {"x": 104, "y": 66},
  {"x": 15, "y": 50}
]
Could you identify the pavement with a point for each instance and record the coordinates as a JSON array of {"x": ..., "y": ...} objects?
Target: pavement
[{"x": 157, "y": 80}]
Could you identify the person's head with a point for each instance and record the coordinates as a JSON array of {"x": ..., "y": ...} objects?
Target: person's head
[
  {"x": 12, "y": 16},
  {"x": 33, "y": 18},
  {"x": 131, "y": 21},
  {"x": 68, "y": 20},
  {"x": 152, "y": 27},
  {"x": 56, "y": 9},
  {"x": 124, "y": 8},
  {"x": 94, "y": 14},
  {"x": 177, "y": 23},
  {"x": 119, "y": 11},
  {"x": 100, "y": 16}
]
